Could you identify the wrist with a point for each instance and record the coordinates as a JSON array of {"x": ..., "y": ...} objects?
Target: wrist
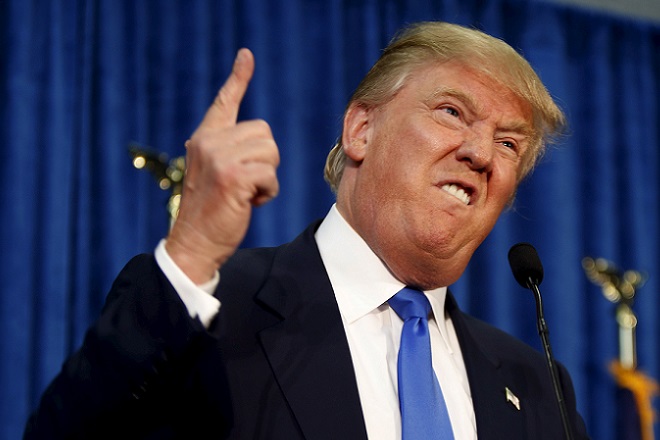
[{"x": 199, "y": 259}]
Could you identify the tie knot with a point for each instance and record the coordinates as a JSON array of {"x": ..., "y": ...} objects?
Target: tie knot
[{"x": 410, "y": 303}]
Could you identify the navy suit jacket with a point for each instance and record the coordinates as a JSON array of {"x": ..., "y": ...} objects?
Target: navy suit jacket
[{"x": 274, "y": 364}]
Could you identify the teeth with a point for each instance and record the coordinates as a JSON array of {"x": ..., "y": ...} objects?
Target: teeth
[{"x": 457, "y": 192}]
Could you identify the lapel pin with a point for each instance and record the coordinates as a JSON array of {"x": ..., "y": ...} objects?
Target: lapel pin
[{"x": 510, "y": 397}]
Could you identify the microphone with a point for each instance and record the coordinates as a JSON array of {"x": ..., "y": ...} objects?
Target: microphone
[{"x": 528, "y": 271}]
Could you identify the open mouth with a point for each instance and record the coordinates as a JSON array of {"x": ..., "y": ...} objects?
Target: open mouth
[{"x": 457, "y": 191}]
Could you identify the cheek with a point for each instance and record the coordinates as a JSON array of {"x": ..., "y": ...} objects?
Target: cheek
[
  {"x": 387, "y": 163},
  {"x": 502, "y": 189}
]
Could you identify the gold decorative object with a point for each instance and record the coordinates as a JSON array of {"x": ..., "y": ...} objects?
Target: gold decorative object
[
  {"x": 620, "y": 289},
  {"x": 168, "y": 173}
]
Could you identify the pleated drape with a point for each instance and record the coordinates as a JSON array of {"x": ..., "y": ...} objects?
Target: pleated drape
[{"x": 81, "y": 80}]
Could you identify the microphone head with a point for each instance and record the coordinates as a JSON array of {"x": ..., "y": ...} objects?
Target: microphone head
[{"x": 525, "y": 264}]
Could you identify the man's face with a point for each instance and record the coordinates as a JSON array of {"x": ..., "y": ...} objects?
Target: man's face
[{"x": 432, "y": 169}]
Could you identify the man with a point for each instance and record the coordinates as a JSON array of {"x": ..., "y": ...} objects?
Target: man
[{"x": 301, "y": 341}]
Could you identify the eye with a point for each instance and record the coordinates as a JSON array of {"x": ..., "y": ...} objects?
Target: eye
[
  {"x": 509, "y": 144},
  {"x": 451, "y": 110}
]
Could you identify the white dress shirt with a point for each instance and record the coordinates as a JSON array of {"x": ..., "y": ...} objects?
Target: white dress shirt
[{"x": 362, "y": 286}]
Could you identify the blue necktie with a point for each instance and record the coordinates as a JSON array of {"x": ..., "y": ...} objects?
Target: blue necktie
[{"x": 423, "y": 410}]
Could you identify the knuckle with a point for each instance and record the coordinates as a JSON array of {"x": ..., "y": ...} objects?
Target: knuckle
[
  {"x": 261, "y": 127},
  {"x": 275, "y": 157},
  {"x": 223, "y": 98},
  {"x": 197, "y": 144},
  {"x": 262, "y": 124},
  {"x": 273, "y": 177}
]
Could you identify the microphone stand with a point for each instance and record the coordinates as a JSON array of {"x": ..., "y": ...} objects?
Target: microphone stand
[{"x": 545, "y": 340}]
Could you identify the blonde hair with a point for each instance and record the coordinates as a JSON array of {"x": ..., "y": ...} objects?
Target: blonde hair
[{"x": 425, "y": 42}]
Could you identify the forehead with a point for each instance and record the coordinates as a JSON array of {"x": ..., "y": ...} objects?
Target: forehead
[{"x": 461, "y": 80}]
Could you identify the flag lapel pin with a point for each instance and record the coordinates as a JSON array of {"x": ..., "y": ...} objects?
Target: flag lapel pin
[{"x": 510, "y": 397}]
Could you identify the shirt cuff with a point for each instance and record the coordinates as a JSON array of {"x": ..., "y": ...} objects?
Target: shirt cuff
[{"x": 198, "y": 298}]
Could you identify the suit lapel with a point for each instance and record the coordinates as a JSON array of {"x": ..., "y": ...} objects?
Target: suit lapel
[
  {"x": 308, "y": 350},
  {"x": 310, "y": 358},
  {"x": 497, "y": 416}
]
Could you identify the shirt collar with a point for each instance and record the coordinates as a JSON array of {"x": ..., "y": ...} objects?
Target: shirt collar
[{"x": 360, "y": 280}]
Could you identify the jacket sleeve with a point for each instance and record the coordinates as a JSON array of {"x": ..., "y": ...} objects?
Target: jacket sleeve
[{"x": 134, "y": 369}]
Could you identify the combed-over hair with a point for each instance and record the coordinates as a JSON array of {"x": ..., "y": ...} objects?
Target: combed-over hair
[{"x": 426, "y": 42}]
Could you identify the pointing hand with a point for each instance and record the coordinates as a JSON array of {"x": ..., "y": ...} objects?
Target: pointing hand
[{"x": 231, "y": 166}]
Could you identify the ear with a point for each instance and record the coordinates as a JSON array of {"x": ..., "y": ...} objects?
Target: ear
[{"x": 355, "y": 135}]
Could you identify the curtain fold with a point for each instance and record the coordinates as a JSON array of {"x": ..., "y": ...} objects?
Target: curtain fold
[{"x": 84, "y": 79}]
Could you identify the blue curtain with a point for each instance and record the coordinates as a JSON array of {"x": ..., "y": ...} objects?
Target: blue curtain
[{"x": 81, "y": 80}]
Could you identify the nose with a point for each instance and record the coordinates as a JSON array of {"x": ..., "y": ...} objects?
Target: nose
[{"x": 477, "y": 150}]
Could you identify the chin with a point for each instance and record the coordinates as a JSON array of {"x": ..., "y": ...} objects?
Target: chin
[{"x": 431, "y": 274}]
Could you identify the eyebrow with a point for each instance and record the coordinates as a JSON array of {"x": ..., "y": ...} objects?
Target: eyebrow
[
  {"x": 475, "y": 106},
  {"x": 523, "y": 127}
]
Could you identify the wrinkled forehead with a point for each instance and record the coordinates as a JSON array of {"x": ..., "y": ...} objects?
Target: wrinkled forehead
[{"x": 459, "y": 77}]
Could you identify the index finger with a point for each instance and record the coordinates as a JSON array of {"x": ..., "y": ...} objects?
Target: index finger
[{"x": 224, "y": 110}]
